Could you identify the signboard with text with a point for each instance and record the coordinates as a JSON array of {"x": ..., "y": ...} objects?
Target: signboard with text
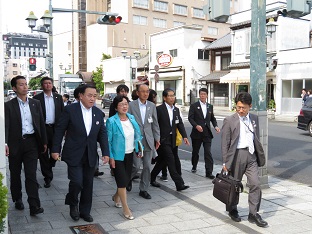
[{"x": 164, "y": 60}]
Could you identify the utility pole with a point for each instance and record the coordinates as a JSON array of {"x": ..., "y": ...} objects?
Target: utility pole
[{"x": 258, "y": 77}]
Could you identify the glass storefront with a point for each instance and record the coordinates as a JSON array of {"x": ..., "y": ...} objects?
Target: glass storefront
[{"x": 175, "y": 85}]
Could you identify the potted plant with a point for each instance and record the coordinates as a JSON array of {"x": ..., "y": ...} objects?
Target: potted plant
[
  {"x": 3, "y": 204},
  {"x": 271, "y": 109}
]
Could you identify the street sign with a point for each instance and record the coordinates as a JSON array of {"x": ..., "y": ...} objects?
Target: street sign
[{"x": 164, "y": 60}]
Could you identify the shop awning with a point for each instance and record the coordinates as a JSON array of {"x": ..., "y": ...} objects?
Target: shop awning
[
  {"x": 214, "y": 76},
  {"x": 236, "y": 76}
]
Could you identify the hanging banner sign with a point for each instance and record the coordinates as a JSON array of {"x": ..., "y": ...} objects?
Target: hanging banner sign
[{"x": 165, "y": 60}]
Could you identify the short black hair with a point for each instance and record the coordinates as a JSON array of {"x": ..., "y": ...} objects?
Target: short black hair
[
  {"x": 244, "y": 98},
  {"x": 134, "y": 95},
  {"x": 15, "y": 79},
  {"x": 122, "y": 87},
  {"x": 66, "y": 96},
  {"x": 84, "y": 87},
  {"x": 77, "y": 91},
  {"x": 203, "y": 90},
  {"x": 166, "y": 91},
  {"x": 152, "y": 94},
  {"x": 118, "y": 99},
  {"x": 45, "y": 78}
]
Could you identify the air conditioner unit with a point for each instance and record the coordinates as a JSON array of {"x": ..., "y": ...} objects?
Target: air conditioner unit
[{"x": 143, "y": 46}]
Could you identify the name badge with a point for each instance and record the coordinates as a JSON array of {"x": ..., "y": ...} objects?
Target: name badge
[
  {"x": 176, "y": 121},
  {"x": 150, "y": 120}
]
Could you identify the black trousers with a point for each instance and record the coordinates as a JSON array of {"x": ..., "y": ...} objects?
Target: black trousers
[
  {"x": 46, "y": 161},
  {"x": 27, "y": 155},
  {"x": 168, "y": 157},
  {"x": 81, "y": 181},
  {"x": 196, "y": 144},
  {"x": 177, "y": 163}
]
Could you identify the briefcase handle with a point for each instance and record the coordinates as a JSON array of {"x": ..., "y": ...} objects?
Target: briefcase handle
[{"x": 239, "y": 186}]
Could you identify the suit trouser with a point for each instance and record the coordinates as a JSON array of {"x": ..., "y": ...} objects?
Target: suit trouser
[
  {"x": 146, "y": 171},
  {"x": 81, "y": 181},
  {"x": 196, "y": 144},
  {"x": 246, "y": 163},
  {"x": 46, "y": 161},
  {"x": 27, "y": 155},
  {"x": 177, "y": 163},
  {"x": 167, "y": 157}
]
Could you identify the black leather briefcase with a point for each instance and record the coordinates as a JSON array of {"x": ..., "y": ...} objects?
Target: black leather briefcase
[{"x": 226, "y": 189}]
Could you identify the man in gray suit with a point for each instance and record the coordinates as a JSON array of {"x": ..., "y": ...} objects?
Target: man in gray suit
[
  {"x": 145, "y": 114},
  {"x": 242, "y": 153}
]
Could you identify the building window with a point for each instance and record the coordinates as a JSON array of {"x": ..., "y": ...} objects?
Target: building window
[
  {"x": 203, "y": 54},
  {"x": 30, "y": 44},
  {"x": 37, "y": 45},
  {"x": 159, "y": 23},
  {"x": 15, "y": 43},
  {"x": 44, "y": 45},
  {"x": 225, "y": 62},
  {"x": 158, "y": 54},
  {"x": 173, "y": 53},
  {"x": 213, "y": 31},
  {"x": 178, "y": 24},
  {"x": 198, "y": 13},
  {"x": 140, "y": 3},
  {"x": 160, "y": 6},
  {"x": 14, "y": 64},
  {"x": 180, "y": 9},
  {"x": 14, "y": 73},
  {"x": 140, "y": 20},
  {"x": 23, "y": 44}
]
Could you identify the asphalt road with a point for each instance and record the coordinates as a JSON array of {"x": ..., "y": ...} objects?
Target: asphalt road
[{"x": 289, "y": 153}]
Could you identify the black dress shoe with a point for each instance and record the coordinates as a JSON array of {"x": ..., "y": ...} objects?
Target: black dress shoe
[
  {"x": 87, "y": 218},
  {"x": 135, "y": 177},
  {"x": 129, "y": 186},
  {"x": 74, "y": 213},
  {"x": 155, "y": 184},
  {"x": 34, "y": 210},
  {"x": 257, "y": 219},
  {"x": 19, "y": 204},
  {"x": 145, "y": 195},
  {"x": 98, "y": 173},
  {"x": 210, "y": 176},
  {"x": 194, "y": 170},
  {"x": 183, "y": 188},
  {"x": 47, "y": 184},
  {"x": 235, "y": 216}
]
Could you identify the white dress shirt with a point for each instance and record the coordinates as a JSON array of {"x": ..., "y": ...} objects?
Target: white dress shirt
[
  {"x": 142, "y": 109},
  {"x": 170, "y": 112},
  {"x": 50, "y": 109},
  {"x": 87, "y": 117},
  {"x": 242, "y": 141},
  {"x": 27, "y": 123},
  {"x": 204, "y": 108}
]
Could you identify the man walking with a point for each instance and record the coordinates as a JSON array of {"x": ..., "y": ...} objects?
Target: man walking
[
  {"x": 169, "y": 120},
  {"x": 84, "y": 127},
  {"x": 145, "y": 114},
  {"x": 25, "y": 136},
  {"x": 200, "y": 116},
  {"x": 242, "y": 153},
  {"x": 52, "y": 106}
]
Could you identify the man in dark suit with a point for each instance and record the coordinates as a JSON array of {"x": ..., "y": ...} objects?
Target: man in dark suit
[
  {"x": 84, "y": 127},
  {"x": 200, "y": 116},
  {"x": 169, "y": 121},
  {"x": 52, "y": 106},
  {"x": 242, "y": 153},
  {"x": 25, "y": 135}
]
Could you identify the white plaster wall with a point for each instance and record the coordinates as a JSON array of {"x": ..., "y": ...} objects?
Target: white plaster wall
[
  {"x": 122, "y": 11},
  {"x": 96, "y": 45},
  {"x": 115, "y": 70}
]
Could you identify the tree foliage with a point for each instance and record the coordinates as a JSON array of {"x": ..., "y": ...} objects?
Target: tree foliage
[
  {"x": 3, "y": 203},
  {"x": 105, "y": 56},
  {"x": 98, "y": 79},
  {"x": 34, "y": 83}
]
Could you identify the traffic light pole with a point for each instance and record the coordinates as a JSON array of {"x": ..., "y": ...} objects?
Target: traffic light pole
[
  {"x": 258, "y": 76},
  {"x": 51, "y": 43}
]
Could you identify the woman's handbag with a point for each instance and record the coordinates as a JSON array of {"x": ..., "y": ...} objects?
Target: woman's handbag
[
  {"x": 178, "y": 138},
  {"x": 226, "y": 189}
]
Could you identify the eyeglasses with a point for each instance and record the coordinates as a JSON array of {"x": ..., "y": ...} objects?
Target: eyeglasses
[
  {"x": 122, "y": 104},
  {"x": 241, "y": 108},
  {"x": 91, "y": 96},
  {"x": 170, "y": 95}
]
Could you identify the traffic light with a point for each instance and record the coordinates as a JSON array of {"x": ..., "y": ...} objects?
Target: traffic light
[
  {"x": 109, "y": 19},
  {"x": 32, "y": 64}
]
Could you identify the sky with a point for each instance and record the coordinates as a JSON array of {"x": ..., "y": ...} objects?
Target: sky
[{"x": 14, "y": 13}]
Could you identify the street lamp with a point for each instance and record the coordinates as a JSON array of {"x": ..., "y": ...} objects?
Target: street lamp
[
  {"x": 47, "y": 25},
  {"x": 271, "y": 27},
  {"x": 69, "y": 67},
  {"x": 132, "y": 70}
]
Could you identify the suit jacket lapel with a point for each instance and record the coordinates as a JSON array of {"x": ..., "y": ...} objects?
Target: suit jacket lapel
[
  {"x": 80, "y": 118},
  {"x": 18, "y": 111},
  {"x": 236, "y": 123},
  {"x": 200, "y": 109},
  {"x": 42, "y": 102}
]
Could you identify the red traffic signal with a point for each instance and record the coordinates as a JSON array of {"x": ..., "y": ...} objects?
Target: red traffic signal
[
  {"x": 32, "y": 64},
  {"x": 109, "y": 19},
  {"x": 32, "y": 61}
]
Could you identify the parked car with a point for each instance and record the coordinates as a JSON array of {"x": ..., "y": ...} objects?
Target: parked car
[
  {"x": 305, "y": 116},
  {"x": 107, "y": 99},
  {"x": 11, "y": 96},
  {"x": 32, "y": 93}
]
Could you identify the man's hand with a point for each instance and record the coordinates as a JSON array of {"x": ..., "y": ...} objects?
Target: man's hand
[
  {"x": 55, "y": 156},
  {"x": 186, "y": 141},
  {"x": 105, "y": 159},
  {"x": 45, "y": 147},
  {"x": 7, "y": 151},
  {"x": 217, "y": 129},
  {"x": 225, "y": 169},
  {"x": 112, "y": 162},
  {"x": 199, "y": 128},
  {"x": 139, "y": 155},
  {"x": 157, "y": 144}
]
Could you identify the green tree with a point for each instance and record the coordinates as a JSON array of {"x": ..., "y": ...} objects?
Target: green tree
[
  {"x": 34, "y": 83},
  {"x": 105, "y": 56},
  {"x": 3, "y": 203},
  {"x": 97, "y": 78}
]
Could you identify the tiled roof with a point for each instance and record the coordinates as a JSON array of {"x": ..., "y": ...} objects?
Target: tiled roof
[
  {"x": 222, "y": 42},
  {"x": 239, "y": 65},
  {"x": 214, "y": 76}
]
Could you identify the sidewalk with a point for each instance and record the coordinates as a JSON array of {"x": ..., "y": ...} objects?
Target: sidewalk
[{"x": 286, "y": 206}]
